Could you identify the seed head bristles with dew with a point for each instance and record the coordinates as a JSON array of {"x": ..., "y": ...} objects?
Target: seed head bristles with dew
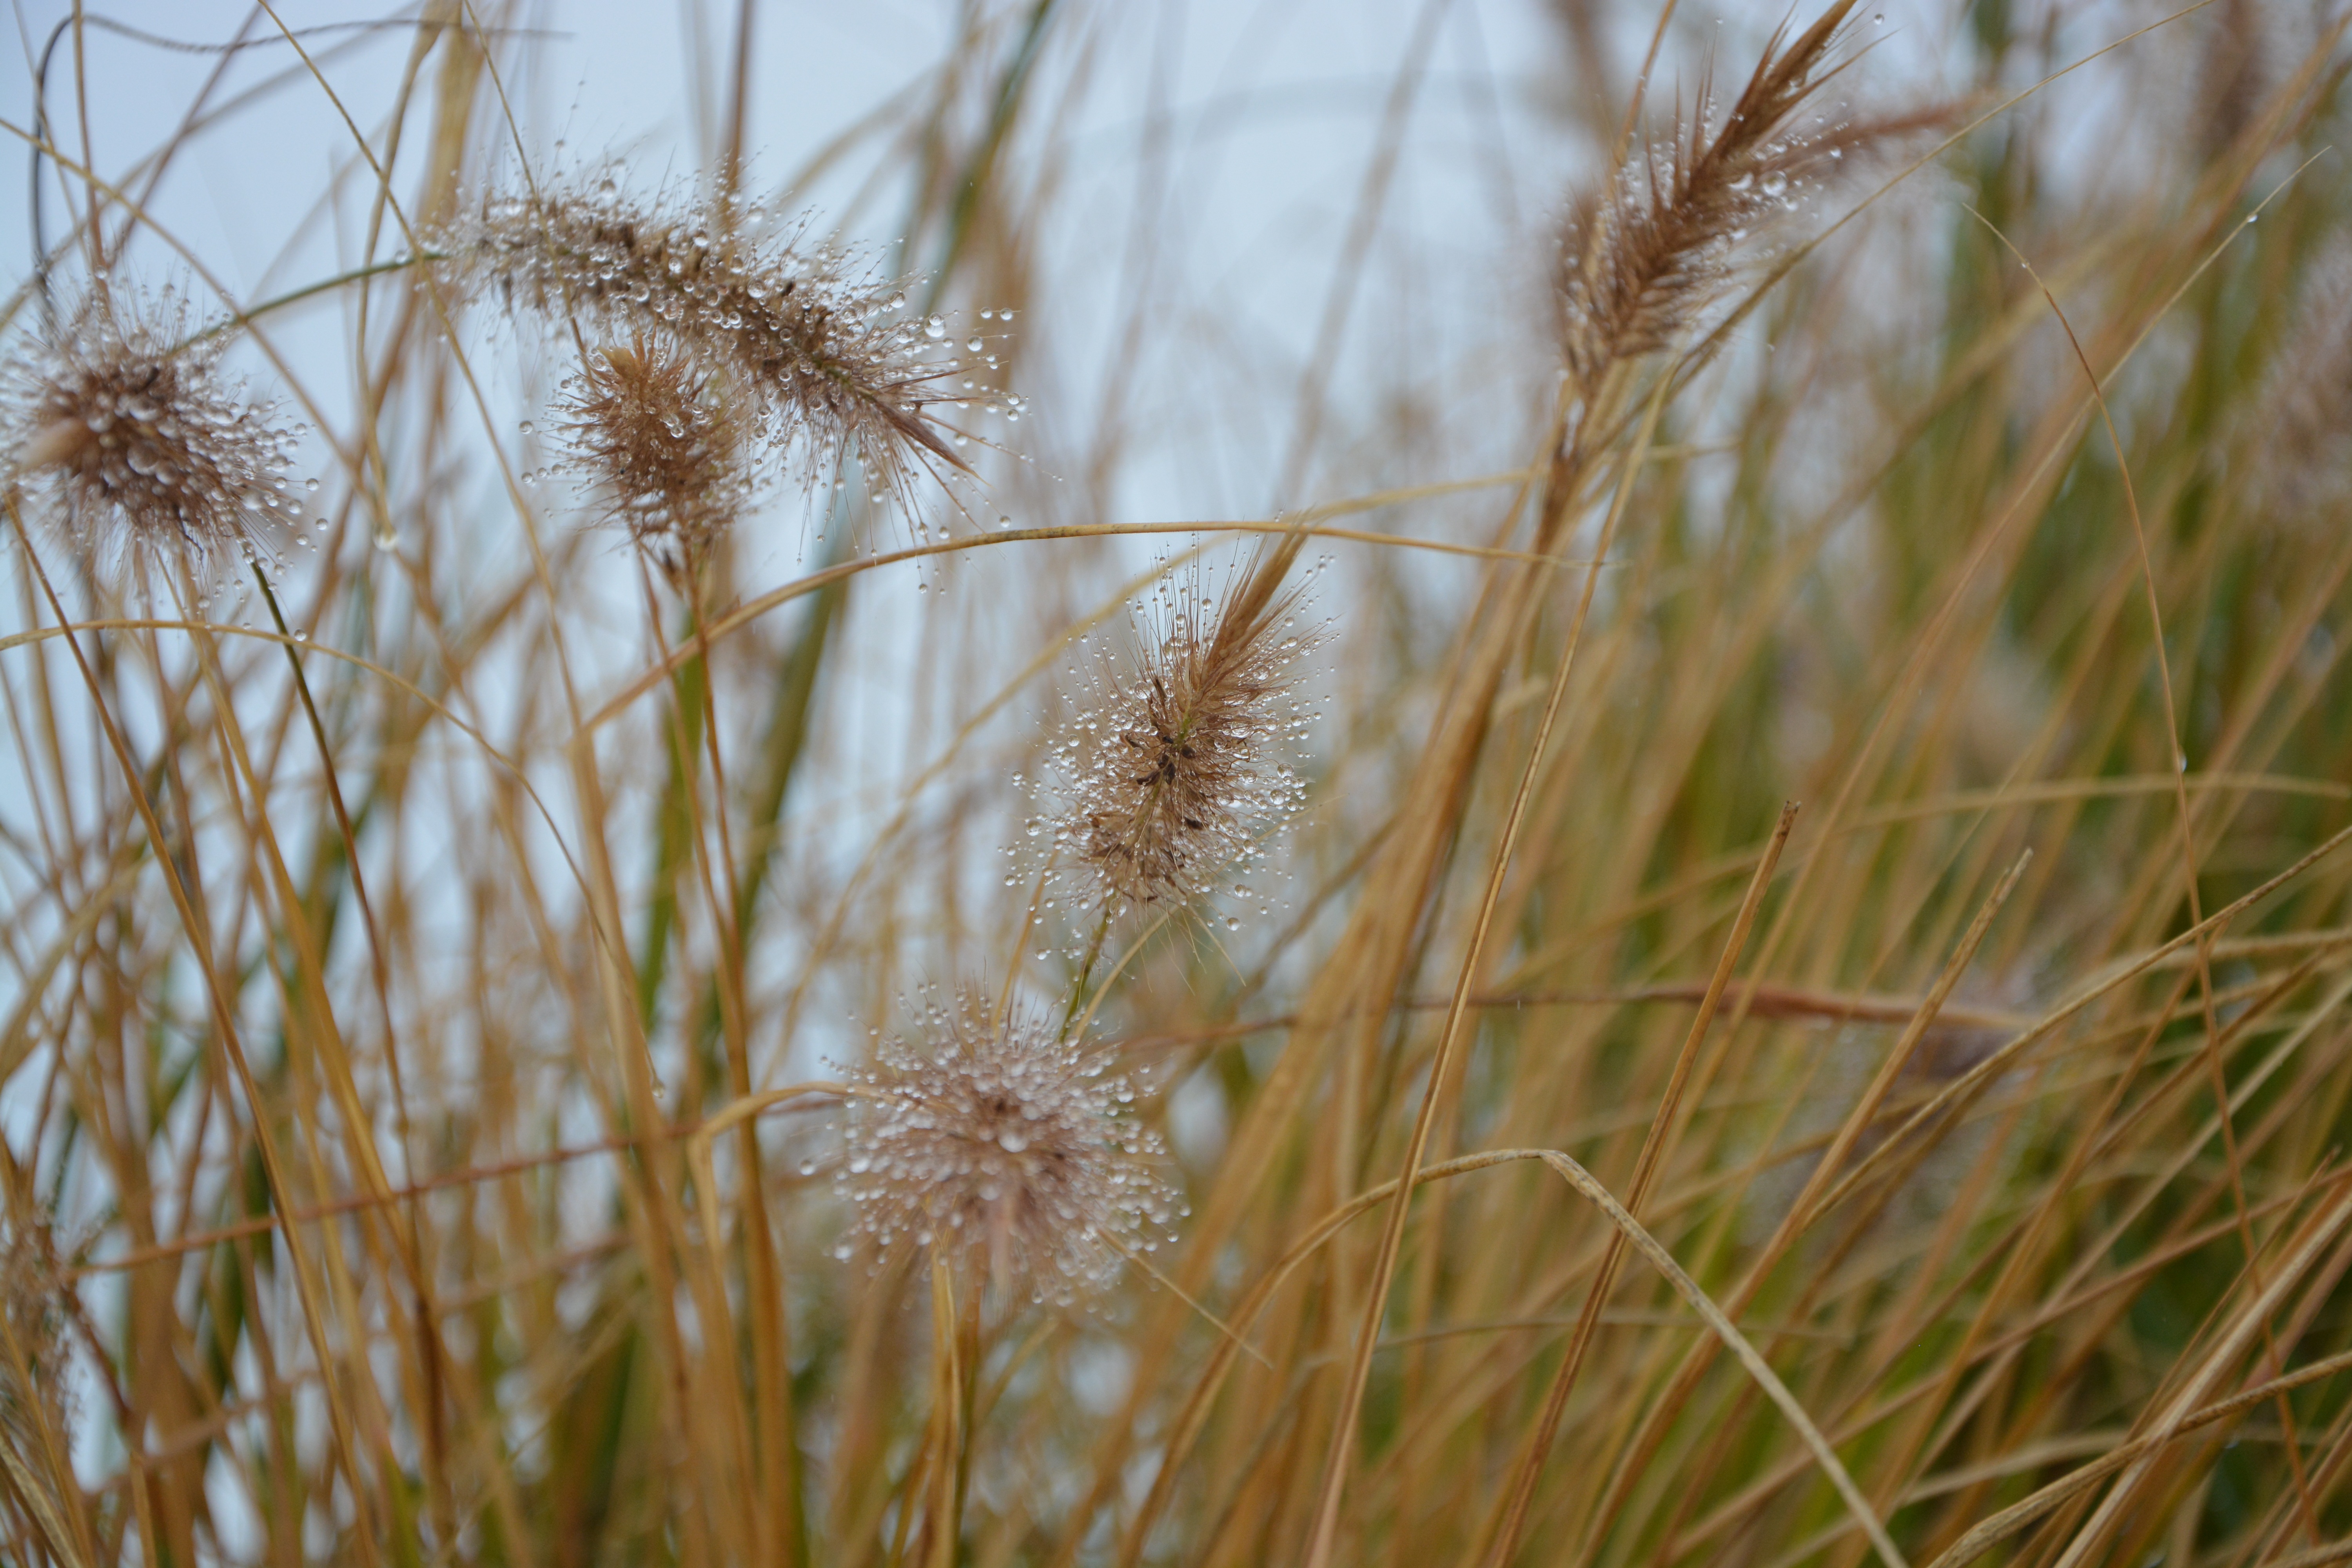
[
  {"x": 1183, "y": 765},
  {"x": 824, "y": 352},
  {"x": 1640, "y": 261},
  {"x": 659, "y": 442},
  {"x": 143, "y": 446},
  {"x": 1005, "y": 1145}
]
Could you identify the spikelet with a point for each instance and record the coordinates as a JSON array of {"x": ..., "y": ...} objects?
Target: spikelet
[
  {"x": 34, "y": 1412},
  {"x": 659, "y": 440},
  {"x": 1640, "y": 262},
  {"x": 1007, "y": 1146},
  {"x": 1184, "y": 763},
  {"x": 2301, "y": 477},
  {"x": 827, "y": 359},
  {"x": 2236, "y": 70},
  {"x": 138, "y": 441}
]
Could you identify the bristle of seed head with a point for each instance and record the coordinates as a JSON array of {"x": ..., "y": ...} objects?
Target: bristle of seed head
[
  {"x": 2235, "y": 71},
  {"x": 1004, "y": 1146},
  {"x": 659, "y": 441},
  {"x": 2298, "y": 422},
  {"x": 123, "y": 423},
  {"x": 1184, "y": 763},
  {"x": 32, "y": 1360},
  {"x": 826, "y": 356},
  {"x": 1643, "y": 259}
]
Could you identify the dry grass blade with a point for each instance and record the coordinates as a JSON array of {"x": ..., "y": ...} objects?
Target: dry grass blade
[{"x": 1645, "y": 1169}]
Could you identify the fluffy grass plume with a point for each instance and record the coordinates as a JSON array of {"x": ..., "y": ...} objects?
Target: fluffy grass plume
[
  {"x": 1183, "y": 759},
  {"x": 135, "y": 442},
  {"x": 660, "y": 441},
  {"x": 997, "y": 1141},
  {"x": 1645, "y": 256},
  {"x": 827, "y": 360}
]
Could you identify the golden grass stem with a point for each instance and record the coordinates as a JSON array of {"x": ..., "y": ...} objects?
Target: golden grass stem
[{"x": 1645, "y": 1170}]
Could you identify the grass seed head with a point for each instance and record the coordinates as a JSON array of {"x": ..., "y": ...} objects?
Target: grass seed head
[
  {"x": 1183, "y": 765},
  {"x": 32, "y": 1363},
  {"x": 659, "y": 439},
  {"x": 826, "y": 356},
  {"x": 2306, "y": 406},
  {"x": 1007, "y": 1145},
  {"x": 141, "y": 443},
  {"x": 1641, "y": 260}
]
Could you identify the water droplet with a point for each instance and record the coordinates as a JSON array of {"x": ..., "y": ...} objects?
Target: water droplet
[
  {"x": 311, "y": 485},
  {"x": 528, "y": 427}
]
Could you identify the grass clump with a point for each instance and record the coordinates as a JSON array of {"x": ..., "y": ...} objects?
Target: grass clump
[{"x": 1727, "y": 941}]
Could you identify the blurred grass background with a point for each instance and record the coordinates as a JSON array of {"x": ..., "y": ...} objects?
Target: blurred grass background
[{"x": 355, "y": 1213}]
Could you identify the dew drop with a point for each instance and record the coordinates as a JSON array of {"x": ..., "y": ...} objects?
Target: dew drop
[{"x": 528, "y": 428}]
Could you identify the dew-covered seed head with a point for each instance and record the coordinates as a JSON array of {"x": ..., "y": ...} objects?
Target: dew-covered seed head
[
  {"x": 131, "y": 438},
  {"x": 659, "y": 442},
  {"x": 1006, "y": 1145},
  {"x": 1182, "y": 763},
  {"x": 821, "y": 351}
]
